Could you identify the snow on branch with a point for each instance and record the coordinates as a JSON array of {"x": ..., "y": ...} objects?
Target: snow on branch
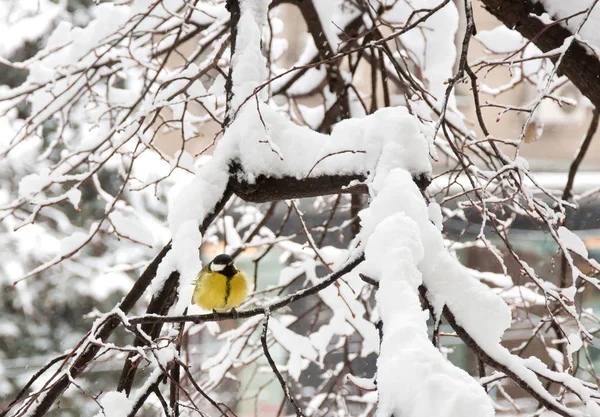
[
  {"x": 581, "y": 61},
  {"x": 114, "y": 108},
  {"x": 403, "y": 232},
  {"x": 404, "y": 250},
  {"x": 413, "y": 378}
]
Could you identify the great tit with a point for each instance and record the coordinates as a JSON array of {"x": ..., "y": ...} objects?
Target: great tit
[{"x": 220, "y": 286}]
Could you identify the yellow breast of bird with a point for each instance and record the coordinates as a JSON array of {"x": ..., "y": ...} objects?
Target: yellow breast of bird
[{"x": 215, "y": 291}]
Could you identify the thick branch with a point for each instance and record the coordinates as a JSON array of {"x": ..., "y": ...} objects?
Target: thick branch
[
  {"x": 272, "y": 189},
  {"x": 266, "y": 189},
  {"x": 579, "y": 64}
]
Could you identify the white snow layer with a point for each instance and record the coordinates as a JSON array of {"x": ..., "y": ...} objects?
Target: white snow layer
[
  {"x": 300, "y": 348},
  {"x": 573, "y": 242},
  {"x": 115, "y": 404},
  {"x": 501, "y": 40},
  {"x": 404, "y": 249},
  {"x": 413, "y": 378}
]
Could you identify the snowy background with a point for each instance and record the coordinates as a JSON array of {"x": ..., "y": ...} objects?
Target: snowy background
[{"x": 410, "y": 186}]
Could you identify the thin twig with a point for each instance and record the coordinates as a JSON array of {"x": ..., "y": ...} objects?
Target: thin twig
[
  {"x": 585, "y": 144},
  {"x": 284, "y": 387}
]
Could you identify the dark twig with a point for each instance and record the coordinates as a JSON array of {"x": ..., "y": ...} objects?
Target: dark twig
[
  {"x": 163, "y": 402},
  {"x": 144, "y": 396},
  {"x": 284, "y": 387},
  {"x": 31, "y": 381},
  {"x": 369, "y": 280},
  {"x": 176, "y": 372},
  {"x": 585, "y": 144}
]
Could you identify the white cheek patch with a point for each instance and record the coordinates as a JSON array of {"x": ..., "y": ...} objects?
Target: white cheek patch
[{"x": 217, "y": 267}]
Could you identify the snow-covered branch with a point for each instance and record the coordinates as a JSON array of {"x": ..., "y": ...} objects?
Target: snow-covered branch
[{"x": 169, "y": 123}]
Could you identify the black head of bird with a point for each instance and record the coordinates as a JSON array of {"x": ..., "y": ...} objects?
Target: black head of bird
[{"x": 223, "y": 264}]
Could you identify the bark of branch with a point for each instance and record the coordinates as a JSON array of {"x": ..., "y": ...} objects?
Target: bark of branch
[
  {"x": 579, "y": 64},
  {"x": 267, "y": 189}
]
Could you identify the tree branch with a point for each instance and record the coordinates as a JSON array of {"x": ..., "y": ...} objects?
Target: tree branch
[
  {"x": 267, "y": 189},
  {"x": 567, "y": 193},
  {"x": 579, "y": 64},
  {"x": 90, "y": 352},
  {"x": 284, "y": 387},
  {"x": 242, "y": 314}
]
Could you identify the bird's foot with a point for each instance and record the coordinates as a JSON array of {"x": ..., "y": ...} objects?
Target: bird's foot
[
  {"x": 234, "y": 313},
  {"x": 215, "y": 315}
]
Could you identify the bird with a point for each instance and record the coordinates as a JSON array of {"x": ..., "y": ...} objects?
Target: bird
[{"x": 220, "y": 286}]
